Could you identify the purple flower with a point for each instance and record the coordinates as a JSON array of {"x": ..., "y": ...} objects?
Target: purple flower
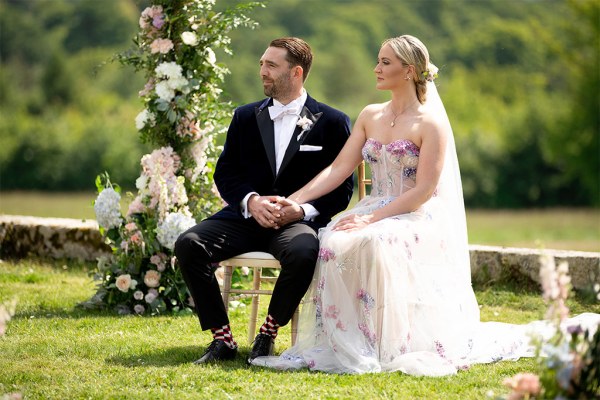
[{"x": 158, "y": 21}]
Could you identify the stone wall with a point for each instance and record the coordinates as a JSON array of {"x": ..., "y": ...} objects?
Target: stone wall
[
  {"x": 493, "y": 263},
  {"x": 22, "y": 236}
]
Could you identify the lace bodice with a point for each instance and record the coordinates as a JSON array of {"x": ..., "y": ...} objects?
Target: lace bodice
[{"x": 393, "y": 166}]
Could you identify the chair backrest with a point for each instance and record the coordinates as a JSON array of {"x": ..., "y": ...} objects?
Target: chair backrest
[{"x": 363, "y": 181}]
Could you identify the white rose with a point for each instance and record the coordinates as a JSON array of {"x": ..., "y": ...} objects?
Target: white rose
[
  {"x": 189, "y": 38},
  {"x": 140, "y": 120},
  {"x": 210, "y": 56}
]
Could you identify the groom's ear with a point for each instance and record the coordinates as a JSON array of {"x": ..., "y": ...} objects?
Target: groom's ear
[{"x": 298, "y": 72}]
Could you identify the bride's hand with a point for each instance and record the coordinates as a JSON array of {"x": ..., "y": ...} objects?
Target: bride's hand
[{"x": 353, "y": 222}]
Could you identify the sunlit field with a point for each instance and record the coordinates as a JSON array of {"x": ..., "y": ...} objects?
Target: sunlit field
[{"x": 565, "y": 229}]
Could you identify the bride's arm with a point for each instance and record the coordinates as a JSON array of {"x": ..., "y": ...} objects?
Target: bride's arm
[{"x": 341, "y": 168}]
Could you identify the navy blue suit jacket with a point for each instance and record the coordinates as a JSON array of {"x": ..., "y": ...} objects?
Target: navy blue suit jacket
[{"x": 247, "y": 163}]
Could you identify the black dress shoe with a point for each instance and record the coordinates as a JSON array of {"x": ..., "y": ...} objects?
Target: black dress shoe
[
  {"x": 263, "y": 346},
  {"x": 217, "y": 351}
]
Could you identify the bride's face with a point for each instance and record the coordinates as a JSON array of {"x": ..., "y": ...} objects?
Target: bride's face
[{"x": 389, "y": 71}]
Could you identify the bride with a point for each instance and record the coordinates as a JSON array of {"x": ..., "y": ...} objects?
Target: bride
[{"x": 392, "y": 287}]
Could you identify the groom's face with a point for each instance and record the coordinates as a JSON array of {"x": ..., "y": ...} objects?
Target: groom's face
[{"x": 275, "y": 73}]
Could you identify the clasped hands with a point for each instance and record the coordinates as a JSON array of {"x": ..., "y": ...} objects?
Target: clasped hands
[{"x": 274, "y": 211}]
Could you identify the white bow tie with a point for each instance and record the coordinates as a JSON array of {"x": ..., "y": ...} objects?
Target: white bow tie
[{"x": 276, "y": 111}]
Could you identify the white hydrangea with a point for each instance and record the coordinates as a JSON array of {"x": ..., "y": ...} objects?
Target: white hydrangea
[
  {"x": 164, "y": 91},
  {"x": 177, "y": 82},
  {"x": 169, "y": 70},
  {"x": 171, "y": 227},
  {"x": 108, "y": 209}
]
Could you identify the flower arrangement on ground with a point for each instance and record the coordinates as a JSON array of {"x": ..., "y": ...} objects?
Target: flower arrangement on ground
[
  {"x": 182, "y": 115},
  {"x": 570, "y": 359}
]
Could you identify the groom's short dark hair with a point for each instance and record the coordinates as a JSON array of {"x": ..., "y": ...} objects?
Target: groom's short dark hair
[{"x": 298, "y": 53}]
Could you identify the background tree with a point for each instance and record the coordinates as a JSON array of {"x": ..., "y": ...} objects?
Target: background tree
[{"x": 520, "y": 80}]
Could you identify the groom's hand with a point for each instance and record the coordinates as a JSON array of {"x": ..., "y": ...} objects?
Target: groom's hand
[
  {"x": 290, "y": 212},
  {"x": 266, "y": 210}
]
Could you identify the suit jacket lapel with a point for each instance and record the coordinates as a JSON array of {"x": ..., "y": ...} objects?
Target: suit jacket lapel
[
  {"x": 267, "y": 132},
  {"x": 297, "y": 140}
]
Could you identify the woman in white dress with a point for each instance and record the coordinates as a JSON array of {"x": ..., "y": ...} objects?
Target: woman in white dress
[{"x": 392, "y": 287}]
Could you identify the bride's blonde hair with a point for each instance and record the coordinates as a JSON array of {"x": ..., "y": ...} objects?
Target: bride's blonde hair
[{"x": 411, "y": 51}]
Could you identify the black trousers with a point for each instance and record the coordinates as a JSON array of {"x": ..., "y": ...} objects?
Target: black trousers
[{"x": 296, "y": 246}]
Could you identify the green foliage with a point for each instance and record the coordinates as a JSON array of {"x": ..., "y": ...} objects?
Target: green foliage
[{"x": 519, "y": 80}]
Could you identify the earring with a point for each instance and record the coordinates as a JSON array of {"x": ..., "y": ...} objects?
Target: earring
[{"x": 407, "y": 78}]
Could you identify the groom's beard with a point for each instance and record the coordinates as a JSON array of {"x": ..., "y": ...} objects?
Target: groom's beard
[{"x": 280, "y": 87}]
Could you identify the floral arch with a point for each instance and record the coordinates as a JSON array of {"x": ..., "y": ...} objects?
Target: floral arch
[{"x": 182, "y": 115}]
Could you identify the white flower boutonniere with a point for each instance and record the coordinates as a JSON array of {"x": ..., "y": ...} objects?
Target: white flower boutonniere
[{"x": 305, "y": 124}]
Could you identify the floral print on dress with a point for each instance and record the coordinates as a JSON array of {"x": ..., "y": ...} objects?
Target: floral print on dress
[
  {"x": 393, "y": 166},
  {"x": 332, "y": 311},
  {"x": 366, "y": 299},
  {"x": 408, "y": 250},
  {"x": 326, "y": 254},
  {"x": 371, "y": 151},
  {"x": 369, "y": 335},
  {"x": 405, "y": 151},
  {"x": 439, "y": 348},
  {"x": 410, "y": 173}
]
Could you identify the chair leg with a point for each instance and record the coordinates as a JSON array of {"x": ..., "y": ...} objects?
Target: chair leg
[
  {"x": 295, "y": 318},
  {"x": 228, "y": 272},
  {"x": 255, "y": 302}
]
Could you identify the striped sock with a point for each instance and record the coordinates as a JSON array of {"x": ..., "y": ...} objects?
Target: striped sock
[
  {"x": 270, "y": 327},
  {"x": 224, "y": 334}
]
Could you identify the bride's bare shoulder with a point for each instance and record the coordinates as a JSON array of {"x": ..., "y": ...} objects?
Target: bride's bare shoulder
[{"x": 372, "y": 110}]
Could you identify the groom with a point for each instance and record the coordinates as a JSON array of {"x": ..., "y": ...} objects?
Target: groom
[{"x": 273, "y": 147}]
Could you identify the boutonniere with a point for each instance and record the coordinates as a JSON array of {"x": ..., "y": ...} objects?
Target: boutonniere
[{"x": 305, "y": 124}]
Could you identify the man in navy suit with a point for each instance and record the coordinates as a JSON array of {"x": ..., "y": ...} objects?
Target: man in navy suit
[{"x": 273, "y": 147}]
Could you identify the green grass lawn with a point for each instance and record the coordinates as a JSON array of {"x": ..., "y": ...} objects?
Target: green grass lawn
[
  {"x": 53, "y": 350},
  {"x": 566, "y": 229}
]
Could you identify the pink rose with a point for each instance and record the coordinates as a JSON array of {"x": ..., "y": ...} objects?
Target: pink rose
[
  {"x": 162, "y": 46},
  {"x": 152, "y": 278},
  {"x": 124, "y": 282},
  {"x": 523, "y": 384}
]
